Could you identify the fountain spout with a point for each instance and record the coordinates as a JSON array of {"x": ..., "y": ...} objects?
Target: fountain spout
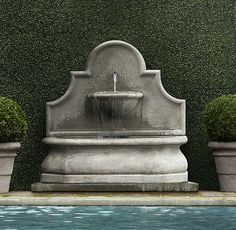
[{"x": 115, "y": 79}]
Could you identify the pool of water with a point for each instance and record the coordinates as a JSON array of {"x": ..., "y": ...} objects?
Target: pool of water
[{"x": 116, "y": 217}]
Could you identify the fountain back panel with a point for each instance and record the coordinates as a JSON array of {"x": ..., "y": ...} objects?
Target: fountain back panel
[{"x": 115, "y": 129}]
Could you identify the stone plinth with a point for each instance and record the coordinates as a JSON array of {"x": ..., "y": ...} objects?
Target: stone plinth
[{"x": 101, "y": 187}]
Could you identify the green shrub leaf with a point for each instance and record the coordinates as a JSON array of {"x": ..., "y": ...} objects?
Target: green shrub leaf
[
  {"x": 220, "y": 118},
  {"x": 13, "y": 123}
]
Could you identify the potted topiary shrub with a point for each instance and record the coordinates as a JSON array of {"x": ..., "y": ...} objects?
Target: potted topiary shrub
[
  {"x": 220, "y": 123},
  {"x": 13, "y": 127}
]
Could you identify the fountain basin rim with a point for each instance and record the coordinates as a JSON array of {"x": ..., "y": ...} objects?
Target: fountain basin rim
[
  {"x": 173, "y": 140},
  {"x": 116, "y": 94}
]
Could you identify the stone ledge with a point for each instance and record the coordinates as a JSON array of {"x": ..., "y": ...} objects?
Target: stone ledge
[{"x": 202, "y": 198}]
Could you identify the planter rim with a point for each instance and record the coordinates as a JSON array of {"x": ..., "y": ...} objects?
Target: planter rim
[
  {"x": 222, "y": 145},
  {"x": 9, "y": 145},
  {"x": 172, "y": 140}
]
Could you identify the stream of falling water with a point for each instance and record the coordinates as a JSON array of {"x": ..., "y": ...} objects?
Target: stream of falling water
[{"x": 110, "y": 114}]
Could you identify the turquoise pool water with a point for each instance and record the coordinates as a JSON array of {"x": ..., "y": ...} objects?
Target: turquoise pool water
[{"x": 116, "y": 217}]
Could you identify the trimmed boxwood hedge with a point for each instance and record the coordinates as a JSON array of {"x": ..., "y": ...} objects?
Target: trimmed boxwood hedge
[
  {"x": 220, "y": 118},
  {"x": 13, "y": 124},
  {"x": 191, "y": 41}
]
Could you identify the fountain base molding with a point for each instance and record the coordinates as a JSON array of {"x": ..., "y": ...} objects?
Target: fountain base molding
[
  {"x": 110, "y": 187},
  {"x": 114, "y": 178}
]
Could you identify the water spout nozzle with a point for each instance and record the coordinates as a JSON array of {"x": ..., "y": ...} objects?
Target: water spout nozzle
[{"x": 115, "y": 79}]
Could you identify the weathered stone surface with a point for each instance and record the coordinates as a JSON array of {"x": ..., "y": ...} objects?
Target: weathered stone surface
[
  {"x": 115, "y": 156},
  {"x": 134, "y": 187},
  {"x": 73, "y": 114},
  {"x": 225, "y": 160},
  {"x": 74, "y": 198},
  {"x": 227, "y": 182},
  {"x": 7, "y": 158},
  {"x": 115, "y": 178},
  {"x": 4, "y": 183},
  {"x": 145, "y": 124}
]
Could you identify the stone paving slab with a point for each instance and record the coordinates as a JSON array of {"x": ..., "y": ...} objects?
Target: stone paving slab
[{"x": 202, "y": 198}]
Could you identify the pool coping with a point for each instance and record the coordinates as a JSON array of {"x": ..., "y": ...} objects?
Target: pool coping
[{"x": 201, "y": 198}]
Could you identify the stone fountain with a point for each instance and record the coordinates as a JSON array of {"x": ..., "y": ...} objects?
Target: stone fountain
[{"x": 115, "y": 129}]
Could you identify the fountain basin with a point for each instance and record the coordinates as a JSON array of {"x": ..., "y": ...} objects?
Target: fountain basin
[
  {"x": 114, "y": 105},
  {"x": 109, "y": 160}
]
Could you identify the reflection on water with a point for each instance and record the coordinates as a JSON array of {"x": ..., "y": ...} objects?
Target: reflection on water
[{"x": 116, "y": 217}]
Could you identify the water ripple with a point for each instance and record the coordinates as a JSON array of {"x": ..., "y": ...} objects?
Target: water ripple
[{"x": 116, "y": 217}]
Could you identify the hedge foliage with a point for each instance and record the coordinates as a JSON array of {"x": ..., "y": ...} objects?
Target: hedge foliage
[
  {"x": 13, "y": 124},
  {"x": 220, "y": 118},
  {"x": 191, "y": 41}
]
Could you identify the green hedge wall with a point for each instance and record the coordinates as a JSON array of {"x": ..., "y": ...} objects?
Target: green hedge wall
[{"x": 191, "y": 41}]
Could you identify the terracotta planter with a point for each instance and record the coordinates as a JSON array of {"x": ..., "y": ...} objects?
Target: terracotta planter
[
  {"x": 225, "y": 159},
  {"x": 7, "y": 157}
]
